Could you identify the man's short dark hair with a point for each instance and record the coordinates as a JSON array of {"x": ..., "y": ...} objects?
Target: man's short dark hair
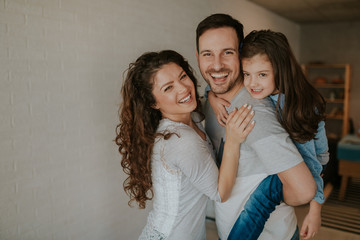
[{"x": 219, "y": 20}]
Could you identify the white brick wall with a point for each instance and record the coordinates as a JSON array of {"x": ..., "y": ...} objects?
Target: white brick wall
[{"x": 61, "y": 64}]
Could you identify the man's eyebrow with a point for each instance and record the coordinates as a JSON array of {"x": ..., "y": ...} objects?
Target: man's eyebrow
[
  {"x": 205, "y": 51},
  {"x": 225, "y": 49},
  {"x": 232, "y": 49}
]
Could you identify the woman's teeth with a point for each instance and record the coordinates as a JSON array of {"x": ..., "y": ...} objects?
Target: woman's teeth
[{"x": 185, "y": 99}]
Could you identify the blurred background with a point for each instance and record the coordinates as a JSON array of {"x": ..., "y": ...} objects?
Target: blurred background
[{"x": 61, "y": 69}]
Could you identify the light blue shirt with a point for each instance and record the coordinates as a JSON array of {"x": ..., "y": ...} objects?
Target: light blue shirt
[{"x": 314, "y": 152}]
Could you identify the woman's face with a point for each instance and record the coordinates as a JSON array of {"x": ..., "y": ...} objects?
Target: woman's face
[{"x": 174, "y": 93}]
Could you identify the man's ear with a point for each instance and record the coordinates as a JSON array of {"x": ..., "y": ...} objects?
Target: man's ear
[{"x": 197, "y": 57}]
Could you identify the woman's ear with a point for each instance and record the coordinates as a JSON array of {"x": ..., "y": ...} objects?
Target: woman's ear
[{"x": 155, "y": 106}]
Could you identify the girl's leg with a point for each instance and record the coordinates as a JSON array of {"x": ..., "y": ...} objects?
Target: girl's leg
[
  {"x": 257, "y": 209},
  {"x": 296, "y": 235}
]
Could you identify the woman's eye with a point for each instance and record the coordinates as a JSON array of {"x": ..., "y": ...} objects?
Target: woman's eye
[
  {"x": 167, "y": 88},
  {"x": 183, "y": 76}
]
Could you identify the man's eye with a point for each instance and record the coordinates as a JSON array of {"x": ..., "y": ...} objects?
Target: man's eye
[
  {"x": 229, "y": 52},
  {"x": 206, "y": 54}
]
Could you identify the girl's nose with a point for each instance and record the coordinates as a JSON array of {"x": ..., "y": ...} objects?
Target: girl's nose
[{"x": 253, "y": 82}]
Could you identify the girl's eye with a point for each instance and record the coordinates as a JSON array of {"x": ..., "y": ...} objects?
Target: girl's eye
[
  {"x": 246, "y": 75},
  {"x": 262, "y": 74}
]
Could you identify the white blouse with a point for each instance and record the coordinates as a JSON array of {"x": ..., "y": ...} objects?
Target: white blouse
[{"x": 184, "y": 176}]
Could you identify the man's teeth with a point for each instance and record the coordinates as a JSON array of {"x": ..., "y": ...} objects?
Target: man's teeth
[
  {"x": 219, "y": 75},
  {"x": 185, "y": 99}
]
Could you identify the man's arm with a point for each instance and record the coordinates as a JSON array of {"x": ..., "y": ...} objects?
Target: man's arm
[{"x": 298, "y": 185}]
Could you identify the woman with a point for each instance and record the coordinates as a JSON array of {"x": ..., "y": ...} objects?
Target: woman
[{"x": 165, "y": 150}]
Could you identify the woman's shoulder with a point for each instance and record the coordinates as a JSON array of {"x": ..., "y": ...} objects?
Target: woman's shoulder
[{"x": 180, "y": 132}]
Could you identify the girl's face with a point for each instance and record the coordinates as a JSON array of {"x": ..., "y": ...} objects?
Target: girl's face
[
  {"x": 174, "y": 93},
  {"x": 259, "y": 76}
]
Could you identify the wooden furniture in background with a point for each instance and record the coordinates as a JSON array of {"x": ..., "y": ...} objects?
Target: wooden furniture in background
[
  {"x": 348, "y": 152},
  {"x": 333, "y": 82}
]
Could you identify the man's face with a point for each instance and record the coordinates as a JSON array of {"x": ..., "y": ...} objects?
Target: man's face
[{"x": 218, "y": 59}]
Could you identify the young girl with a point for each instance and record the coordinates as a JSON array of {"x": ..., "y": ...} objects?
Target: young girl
[
  {"x": 166, "y": 153},
  {"x": 271, "y": 70}
]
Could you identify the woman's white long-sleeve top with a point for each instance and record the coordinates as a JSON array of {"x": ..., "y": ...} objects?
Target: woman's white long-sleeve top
[{"x": 184, "y": 176}]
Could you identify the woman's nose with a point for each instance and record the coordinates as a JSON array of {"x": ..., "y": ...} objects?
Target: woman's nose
[{"x": 182, "y": 87}]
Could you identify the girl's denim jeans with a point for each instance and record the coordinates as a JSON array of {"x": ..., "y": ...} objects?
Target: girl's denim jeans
[{"x": 257, "y": 209}]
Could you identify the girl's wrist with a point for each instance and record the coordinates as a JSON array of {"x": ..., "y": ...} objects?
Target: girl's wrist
[{"x": 315, "y": 207}]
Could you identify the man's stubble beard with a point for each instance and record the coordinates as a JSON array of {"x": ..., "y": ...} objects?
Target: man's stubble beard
[{"x": 221, "y": 90}]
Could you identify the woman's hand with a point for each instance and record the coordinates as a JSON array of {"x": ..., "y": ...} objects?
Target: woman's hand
[
  {"x": 238, "y": 127},
  {"x": 238, "y": 124}
]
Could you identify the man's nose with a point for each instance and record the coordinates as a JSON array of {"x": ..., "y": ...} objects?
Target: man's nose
[{"x": 218, "y": 63}]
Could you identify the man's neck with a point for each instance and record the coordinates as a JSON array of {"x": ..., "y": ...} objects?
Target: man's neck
[{"x": 229, "y": 95}]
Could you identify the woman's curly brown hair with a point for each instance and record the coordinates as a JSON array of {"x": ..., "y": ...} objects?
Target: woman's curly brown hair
[{"x": 136, "y": 132}]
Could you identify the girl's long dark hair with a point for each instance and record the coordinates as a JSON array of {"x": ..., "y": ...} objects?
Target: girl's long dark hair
[
  {"x": 304, "y": 106},
  {"x": 136, "y": 132}
]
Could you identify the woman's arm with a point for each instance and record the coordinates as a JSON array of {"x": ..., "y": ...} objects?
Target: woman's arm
[
  {"x": 185, "y": 152},
  {"x": 237, "y": 128}
]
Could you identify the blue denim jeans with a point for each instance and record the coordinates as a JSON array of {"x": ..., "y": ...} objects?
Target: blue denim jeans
[
  {"x": 296, "y": 235},
  {"x": 257, "y": 209}
]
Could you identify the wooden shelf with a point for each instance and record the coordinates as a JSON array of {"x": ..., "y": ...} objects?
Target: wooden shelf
[
  {"x": 328, "y": 100},
  {"x": 340, "y": 126},
  {"x": 329, "y": 85},
  {"x": 325, "y": 65},
  {"x": 338, "y": 117}
]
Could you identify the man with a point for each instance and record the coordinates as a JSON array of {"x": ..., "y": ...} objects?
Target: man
[{"x": 267, "y": 150}]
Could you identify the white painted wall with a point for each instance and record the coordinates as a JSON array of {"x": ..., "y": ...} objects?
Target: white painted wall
[{"x": 61, "y": 64}]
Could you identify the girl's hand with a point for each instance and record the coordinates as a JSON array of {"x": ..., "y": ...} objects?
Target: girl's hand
[
  {"x": 312, "y": 221},
  {"x": 218, "y": 105},
  {"x": 238, "y": 124}
]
